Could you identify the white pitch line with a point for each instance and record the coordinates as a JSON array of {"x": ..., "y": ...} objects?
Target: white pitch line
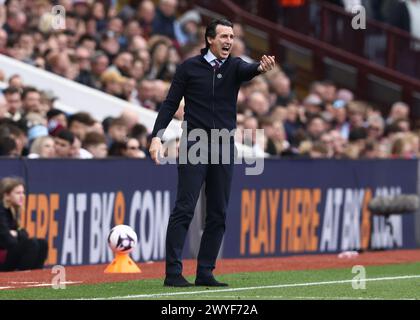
[
  {"x": 309, "y": 298},
  {"x": 36, "y": 284},
  {"x": 291, "y": 285},
  {"x": 50, "y": 284}
]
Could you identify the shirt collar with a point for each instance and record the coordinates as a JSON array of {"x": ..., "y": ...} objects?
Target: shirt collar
[{"x": 209, "y": 56}]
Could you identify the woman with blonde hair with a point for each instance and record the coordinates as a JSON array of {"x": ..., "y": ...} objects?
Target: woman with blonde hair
[
  {"x": 17, "y": 250},
  {"x": 42, "y": 147}
]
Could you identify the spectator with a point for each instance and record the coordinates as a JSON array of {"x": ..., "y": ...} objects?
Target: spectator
[
  {"x": 95, "y": 143},
  {"x": 315, "y": 127},
  {"x": 63, "y": 143},
  {"x": 276, "y": 142},
  {"x": 15, "y": 23},
  {"x": 110, "y": 45},
  {"x": 98, "y": 13},
  {"x": 117, "y": 149},
  {"x": 375, "y": 127},
  {"x": 31, "y": 100},
  {"x": 339, "y": 117},
  {"x": 85, "y": 77},
  {"x": 10, "y": 130},
  {"x": 399, "y": 110},
  {"x": 80, "y": 123},
  {"x": 159, "y": 68},
  {"x": 130, "y": 118},
  {"x": 42, "y": 147},
  {"x": 117, "y": 131},
  {"x": 164, "y": 20},
  {"x": 187, "y": 28},
  {"x": 17, "y": 250},
  {"x": 100, "y": 63},
  {"x": 132, "y": 149},
  {"x": 123, "y": 64},
  {"x": 13, "y": 103},
  {"x": 112, "y": 83},
  {"x": 318, "y": 150},
  {"x": 313, "y": 105},
  {"x": 256, "y": 142},
  {"x": 16, "y": 81},
  {"x": 3, "y": 42},
  {"x": 139, "y": 132},
  {"x": 280, "y": 84},
  {"x": 405, "y": 145},
  {"x": 145, "y": 94},
  {"x": 258, "y": 103},
  {"x": 293, "y": 120},
  {"x": 57, "y": 121},
  {"x": 77, "y": 151},
  {"x": 357, "y": 113},
  {"x": 146, "y": 15},
  {"x": 239, "y": 50},
  {"x": 8, "y": 147}
]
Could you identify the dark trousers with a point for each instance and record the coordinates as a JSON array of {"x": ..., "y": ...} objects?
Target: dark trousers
[
  {"x": 217, "y": 178},
  {"x": 28, "y": 254}
]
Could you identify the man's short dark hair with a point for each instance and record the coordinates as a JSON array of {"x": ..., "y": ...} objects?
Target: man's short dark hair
[
  {"x": 27, "y": 90},
  {"x": 357, "y": 134},
  {"x": 86, "y": 37},
  {"x": 54, "y": 112},
  {"x": 7, "y": 145},
  {"x": 11, "y": 90},
  {"x": 93, "y": 139},
  {"x": 211, "y": 28},
  {"x": 66, "y": 135},
  {"x": 82, "y": 117}
]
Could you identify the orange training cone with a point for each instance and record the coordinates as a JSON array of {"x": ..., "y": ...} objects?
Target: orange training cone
[{"x": 122, "y": 263}]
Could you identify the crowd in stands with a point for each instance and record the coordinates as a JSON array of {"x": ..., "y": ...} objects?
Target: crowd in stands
[{"x": 131, "y": 51}]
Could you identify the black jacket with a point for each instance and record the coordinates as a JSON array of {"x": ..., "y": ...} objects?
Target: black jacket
[
  {"x": 7, "y": 223},
  {"x": 210, "y": 96}
]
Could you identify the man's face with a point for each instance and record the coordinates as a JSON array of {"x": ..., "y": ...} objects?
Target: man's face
[
  {"x": 221, "y": 45},
  {"x": 99, "y": 150},
  {"x": 62, "y": 148},
  {"x": 32, "y": 101},
  {"x": 118, "y": 132},
  {"x": 79, "y": 129},
  {"x": 14, "y": 102}
]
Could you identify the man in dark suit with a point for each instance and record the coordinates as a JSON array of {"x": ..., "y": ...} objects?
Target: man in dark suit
[{"x": 209, "y": 84}]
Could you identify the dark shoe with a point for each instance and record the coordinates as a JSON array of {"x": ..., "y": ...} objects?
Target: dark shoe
[
  {"x": 209, "y": 282},
  {"x": 176, "y": 281}
]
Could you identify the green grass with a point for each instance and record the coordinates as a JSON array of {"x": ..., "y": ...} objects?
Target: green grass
[{"x": 381, "y": 289}]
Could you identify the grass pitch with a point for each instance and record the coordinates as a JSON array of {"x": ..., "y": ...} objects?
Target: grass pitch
[{"x": 400, "y": 281}]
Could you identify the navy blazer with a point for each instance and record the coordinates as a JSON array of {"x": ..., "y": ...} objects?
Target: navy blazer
[{"x": 210, "y": 96}]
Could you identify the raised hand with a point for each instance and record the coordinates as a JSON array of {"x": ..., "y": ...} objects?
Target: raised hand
[{"x": 267, "y": 63}]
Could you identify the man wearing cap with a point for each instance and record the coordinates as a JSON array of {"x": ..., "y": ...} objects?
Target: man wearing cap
[{"x": 209, "y": 84}]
